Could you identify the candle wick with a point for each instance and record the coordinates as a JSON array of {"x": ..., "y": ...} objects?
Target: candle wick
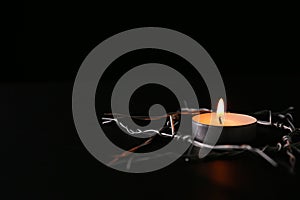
[{"x": 220, "y": 120}]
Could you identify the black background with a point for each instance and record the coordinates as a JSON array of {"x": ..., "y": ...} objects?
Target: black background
[
  {"x": 256, "y": 51},
  {"x": 53, "y": 39}
]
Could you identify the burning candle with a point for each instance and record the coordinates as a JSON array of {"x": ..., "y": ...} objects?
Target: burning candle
[{"x": 237, "y": 128}]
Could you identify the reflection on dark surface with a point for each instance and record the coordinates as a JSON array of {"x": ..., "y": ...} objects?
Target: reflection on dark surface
[{"x": 224, "y": 174}]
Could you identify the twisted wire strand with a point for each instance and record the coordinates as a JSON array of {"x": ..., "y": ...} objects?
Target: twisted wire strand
[{"x": 286, "y": 143}]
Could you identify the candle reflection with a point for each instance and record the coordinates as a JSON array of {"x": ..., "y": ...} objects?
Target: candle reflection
[{"x": 225, "y": 174}]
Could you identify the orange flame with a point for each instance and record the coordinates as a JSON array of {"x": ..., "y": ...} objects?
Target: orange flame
[{"x": 220, "y": 110}]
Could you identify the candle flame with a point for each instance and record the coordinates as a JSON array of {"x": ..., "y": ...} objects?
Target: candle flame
[{"x": 220, "y": 108}]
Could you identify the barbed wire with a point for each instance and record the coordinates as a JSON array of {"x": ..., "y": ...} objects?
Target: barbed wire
[{"x": 281, "y": 120}]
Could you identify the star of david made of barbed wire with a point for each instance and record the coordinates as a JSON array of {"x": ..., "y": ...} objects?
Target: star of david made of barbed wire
[{"x": 282, "y": 143}]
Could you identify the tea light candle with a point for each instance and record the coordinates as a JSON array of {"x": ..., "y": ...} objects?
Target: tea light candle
[{"x": 237, "y": 128}]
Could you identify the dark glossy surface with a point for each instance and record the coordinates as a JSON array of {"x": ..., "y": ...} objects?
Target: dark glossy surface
[{"x": 50, "y": 162}]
